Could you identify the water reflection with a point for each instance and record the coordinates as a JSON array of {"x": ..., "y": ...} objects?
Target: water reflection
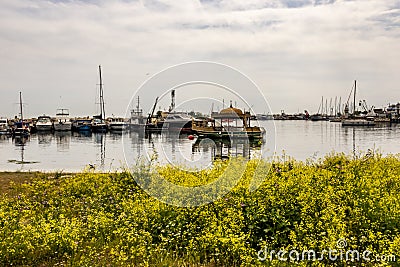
[
  {"x": 20, "y": 143},
  {"x": 63, "y": 140},
  {"x": 100, "y": 140},
  {"x": 84, "y": 135},
  {"x": 44, "y": 139},
  {"x": 75, "y": 151},
  {"x": 4, "y": 138},
  {"x": 225, "y": 148}
]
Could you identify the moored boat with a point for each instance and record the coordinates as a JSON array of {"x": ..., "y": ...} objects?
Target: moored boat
[
  {"x": 63, "y": 121},
  {"x": 4, "y": 127},
  {"x": 82, "y": 124},
  {"x": 177, "y": 122},
  {"x": 137, "y": 121},
  {"x": 117, "y": 124},
  {"x": 21, "y": 128},
  {"x": 98, "y": 124},
  {"x": 44, "y": 123},
  {"x": 357, "y": 122},
  {"x": 228, "y": 123},
  {"x": 353, "y": 119}
]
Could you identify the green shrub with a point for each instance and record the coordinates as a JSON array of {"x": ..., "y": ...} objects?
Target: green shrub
[{"x": 94, "y": 219}]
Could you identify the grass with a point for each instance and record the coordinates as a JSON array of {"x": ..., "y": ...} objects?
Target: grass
[
  {"x": 9, "y": 179},
  {"x": 94, "y": 219}
]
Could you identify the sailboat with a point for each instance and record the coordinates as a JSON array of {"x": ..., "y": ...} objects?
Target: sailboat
[
  {"x": 21, "y": 128},
  {"x": 318, "y": 116},
  {"x": 98, "y": 122},
  {"x": 352, "y": 119}
]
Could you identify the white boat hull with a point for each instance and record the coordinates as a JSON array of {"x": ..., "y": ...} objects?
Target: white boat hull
[
  {"x": 357, "y": 122},
  {"x": 62, "y": 126},
  {"x": 118, "y": 127},
  {"x": 44, "y": 127}
]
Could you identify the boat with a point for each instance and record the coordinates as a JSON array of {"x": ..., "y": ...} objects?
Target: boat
[
  {"x": 82, "y": 125},
  {"x": 393, "y": 112},
  {"x": 137, "y": 121},
  {"x": 4, "y": 127},
  {"x": 21, "y": 128},
  {"x": 171, "y": 120},
  {"x": 357, "y": 122},
  {"x": 177, "y": 122},
  {"x": 316, "y": 117},
  {"x": 117, "y": 124},
  {"x": 228, "y": 123},
  {"x": 353, "y": 119},
  {"x": 335, "y": 119},
  {"x": 264, "y": 117},
  {"x": 63, "y": 121},
  {"x": 319, "y": 116},
  {"x": 98, "y": 122},
  {"x": 44, "y": 123},
  {"x": 98, "y": 125},
  {"x": 154, "y": 122},
  {"x": 381, "y": 120}
]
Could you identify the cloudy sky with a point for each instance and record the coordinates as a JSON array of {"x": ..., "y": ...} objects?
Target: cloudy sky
[{"x": 295, "y": 50}]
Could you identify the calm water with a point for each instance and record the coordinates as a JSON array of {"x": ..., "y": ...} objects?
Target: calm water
[{"x": 111, "y": 151}]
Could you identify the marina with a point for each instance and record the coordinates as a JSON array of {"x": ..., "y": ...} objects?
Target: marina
[{"x": 49, "y": 143}]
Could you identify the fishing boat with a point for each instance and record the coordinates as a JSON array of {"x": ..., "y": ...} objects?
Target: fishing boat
[
  {"x": 137, "y": 121},
  {"x": 98, "y": 122},
  {"x": 117, "y": 124},
  {"x": 353, "y": 119},
  {"x": 21, "y": 129},
  {"x": 228, "y": 123},
  {"x": 63, "y": 121},
  {"x": 4, "y": 127},
  {"x": 44, "y": 123}
]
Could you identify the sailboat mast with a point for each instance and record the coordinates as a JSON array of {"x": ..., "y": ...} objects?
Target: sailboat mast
[
  {"x": 322, "y": 109},
  {"x": 20, "y": 106},
  {"x": 354, "y": 101},
  {"x": 102, "y": 109}
]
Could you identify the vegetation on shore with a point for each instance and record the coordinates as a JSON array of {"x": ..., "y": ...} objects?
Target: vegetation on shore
[{"x": 92, "y": 219}]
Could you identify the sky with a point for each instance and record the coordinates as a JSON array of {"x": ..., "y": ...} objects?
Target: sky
[{"x": 295, "y": 51}]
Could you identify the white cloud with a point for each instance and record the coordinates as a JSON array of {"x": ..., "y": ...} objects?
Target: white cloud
[{"x": 295, "y": 50}]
